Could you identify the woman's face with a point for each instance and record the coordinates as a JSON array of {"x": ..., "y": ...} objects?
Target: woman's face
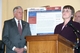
[{"x": 66, "y": 14}]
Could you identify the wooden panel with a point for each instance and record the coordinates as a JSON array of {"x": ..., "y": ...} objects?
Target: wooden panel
[
  {"x": 70, "y": 50},
  {"x": 64, "y": 48},
  {"x": 53, "y": 37},
  {"x": 48, "y": 44},
  {"x": 27, "y": 47},
  {"x": 42, "y": 37},
  {"x": 42, "y": 47}
]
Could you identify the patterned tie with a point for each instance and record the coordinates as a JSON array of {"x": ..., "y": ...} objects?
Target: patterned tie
[{"x": 19, "y": 28}]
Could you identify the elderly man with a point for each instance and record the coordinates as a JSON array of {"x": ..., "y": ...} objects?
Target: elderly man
[{"x": 14, "y": 31}]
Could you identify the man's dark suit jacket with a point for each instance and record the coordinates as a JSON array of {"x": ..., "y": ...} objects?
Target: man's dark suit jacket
[
  {"x": 67, "y": 31},
  {"x": 11, "y": 36}
]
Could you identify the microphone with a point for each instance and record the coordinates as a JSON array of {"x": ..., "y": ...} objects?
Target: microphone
[
  {"x": 76, "y": 33},
  {"x": 75, "y": 30}
]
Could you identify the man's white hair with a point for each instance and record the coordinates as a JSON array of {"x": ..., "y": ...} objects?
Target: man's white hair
[{"x": 17, "y": 7}]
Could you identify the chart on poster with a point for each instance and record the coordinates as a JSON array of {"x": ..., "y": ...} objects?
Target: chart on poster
[{"x": 44, "y": 19}]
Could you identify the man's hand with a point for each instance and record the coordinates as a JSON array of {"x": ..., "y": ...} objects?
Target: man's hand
[
  {"x": 17, "y": 50},
  {"x": 20, "y": 50}
]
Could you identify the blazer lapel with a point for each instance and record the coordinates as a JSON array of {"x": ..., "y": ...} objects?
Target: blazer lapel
[
  {"x": 14, "y": 25},
  {"x": 23, "y": 25}
]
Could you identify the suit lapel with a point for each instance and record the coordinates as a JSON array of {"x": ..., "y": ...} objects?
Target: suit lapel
[
  {"x": 14, "y": 25},
  {"x": 23, "y": 25}
]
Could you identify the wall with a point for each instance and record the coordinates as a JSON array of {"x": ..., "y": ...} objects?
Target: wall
[
  {"x": 36, "y": 3},
  {"x": 0, "y": 18},
  {"x": 8, "y": 5}
]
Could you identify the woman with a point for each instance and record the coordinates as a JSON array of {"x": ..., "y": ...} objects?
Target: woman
[{"x": 66, "y": 29}]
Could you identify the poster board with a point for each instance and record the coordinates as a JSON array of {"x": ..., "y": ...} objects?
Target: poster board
[{"x": 43, "y": 20}]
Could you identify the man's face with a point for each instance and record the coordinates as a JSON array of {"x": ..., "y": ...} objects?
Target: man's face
[
  {"x": 77, "y": 17},
  {"x": 18, "y": 13}
]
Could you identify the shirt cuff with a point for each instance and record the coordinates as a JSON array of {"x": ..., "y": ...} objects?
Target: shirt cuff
[
  {"x": 13, "y": 48},
  {"x": 25, "y": 47}
]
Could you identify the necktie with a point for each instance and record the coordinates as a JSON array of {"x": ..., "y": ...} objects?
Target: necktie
[{"x": 19, "y": 28}]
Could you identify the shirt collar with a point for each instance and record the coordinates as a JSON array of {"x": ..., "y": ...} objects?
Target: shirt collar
[{"x": 17, "y": 20}]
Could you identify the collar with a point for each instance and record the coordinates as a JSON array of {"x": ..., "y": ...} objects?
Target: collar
[{"x": 17, "y": 22}]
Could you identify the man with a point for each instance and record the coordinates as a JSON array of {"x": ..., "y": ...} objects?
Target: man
[
  {"x": 14, "y": 32},
  {"x": 77, "y": 19},
  {"x": 77, "y": 16}
]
